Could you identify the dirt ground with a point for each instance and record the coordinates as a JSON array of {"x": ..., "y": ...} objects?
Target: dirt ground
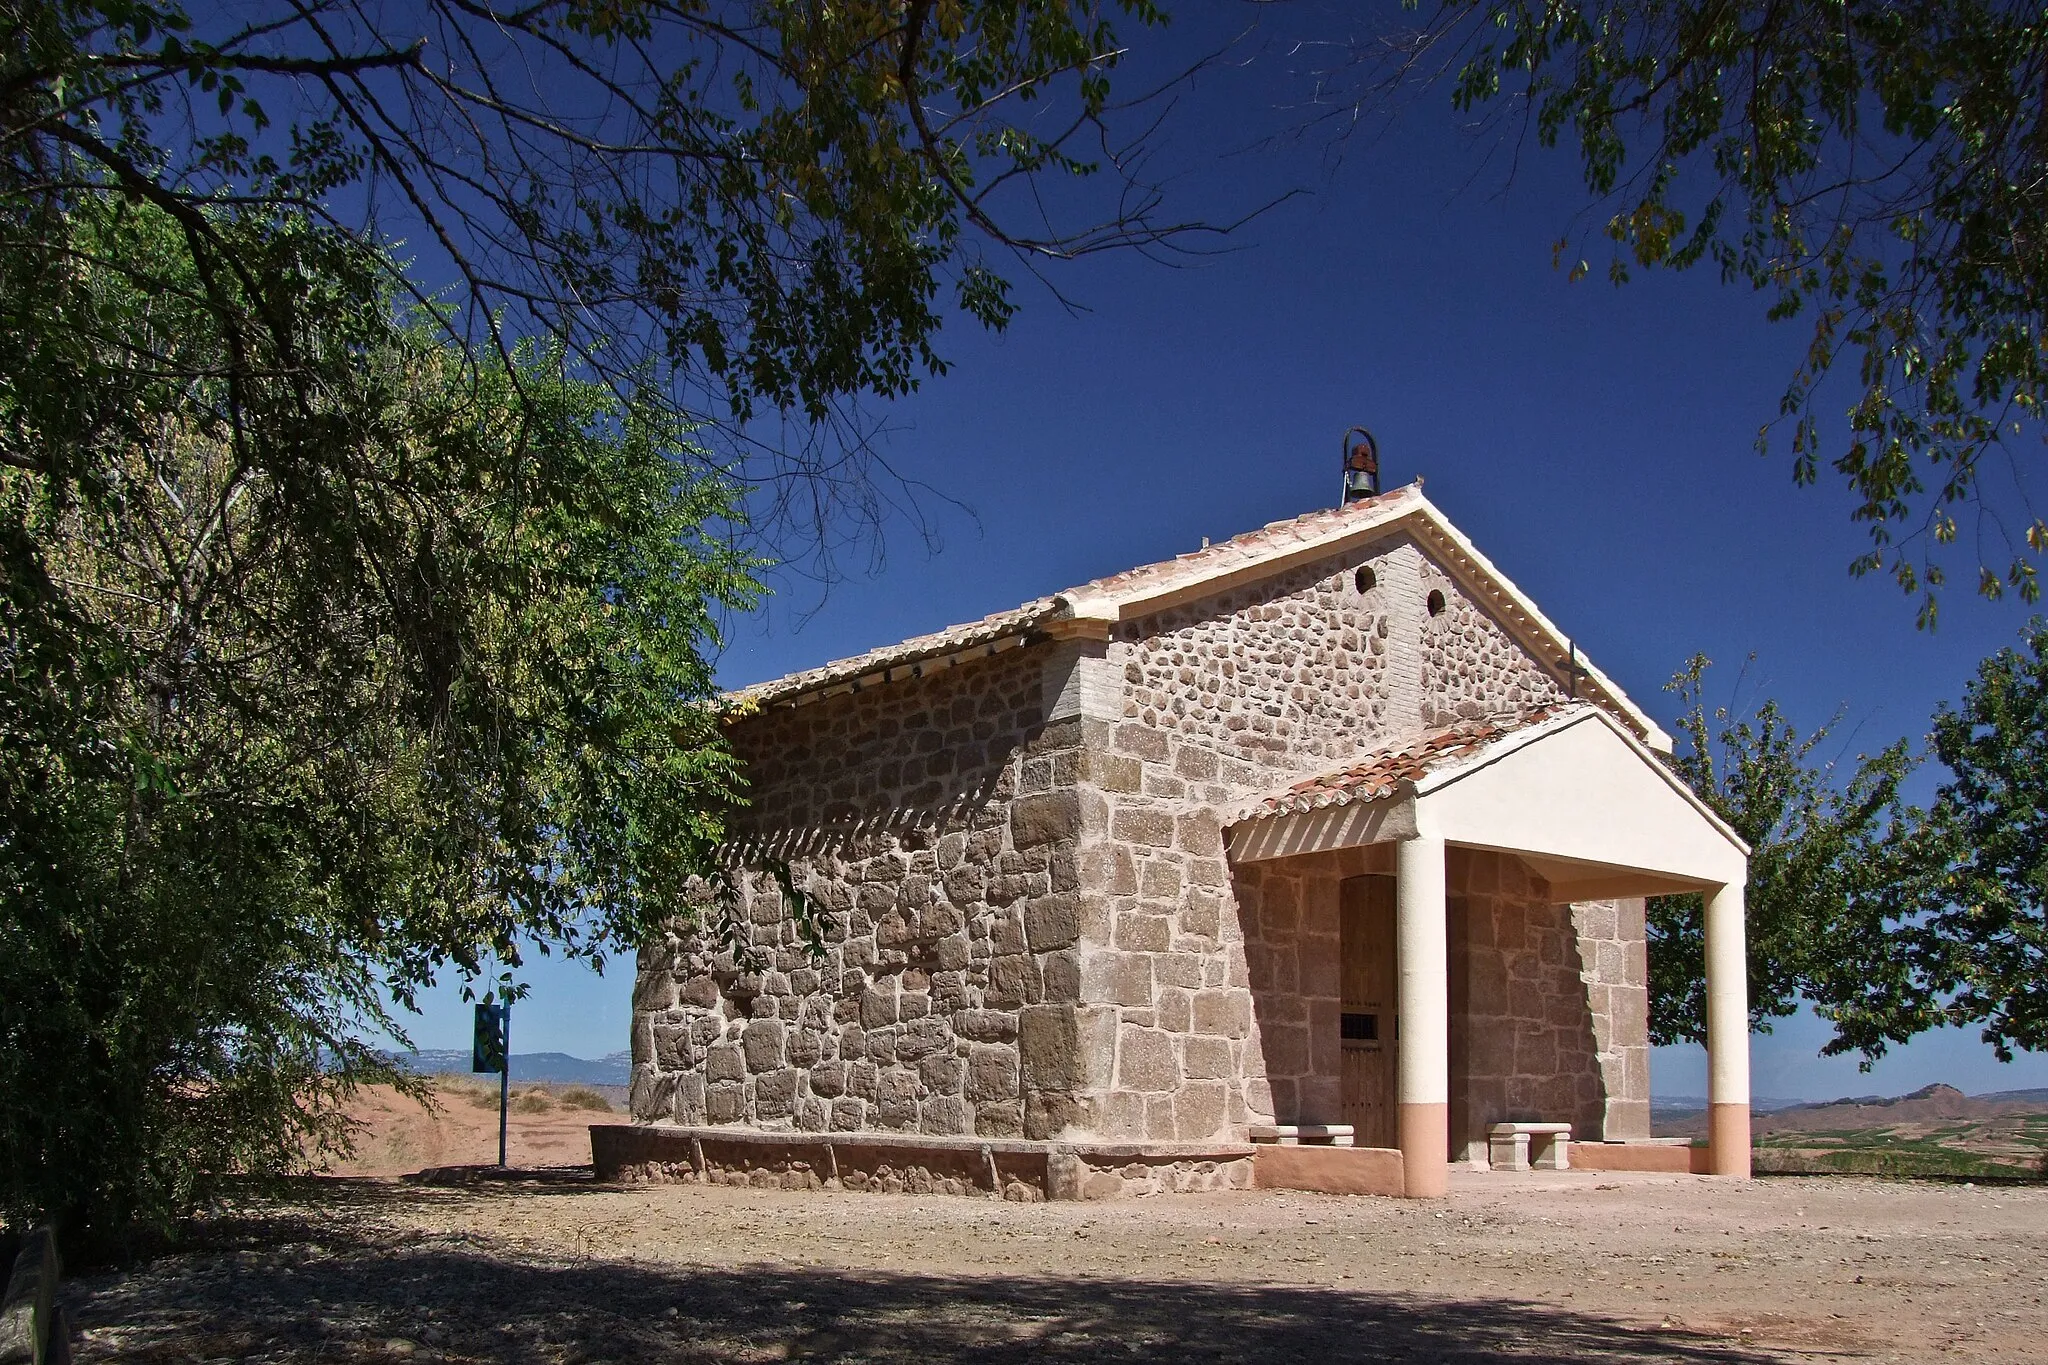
[
  {"x": 1581, "y": 1266},
  {"x": 397, "y": 1135}
]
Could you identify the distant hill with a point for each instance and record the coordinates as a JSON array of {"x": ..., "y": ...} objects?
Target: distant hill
[
  {"x": 1932, "y": 1104},
  {"x": 1929, "y": 1103},
  {"x": 615, "y": 1069},
  {"x": 2039, "y": 1097},
  {"x": 1697, "y": 1104},
  {"x": 1937, "y": 1131}
]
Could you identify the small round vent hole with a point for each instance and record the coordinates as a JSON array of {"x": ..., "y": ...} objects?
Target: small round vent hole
[
  {"x": 1365, "y": 578},
  {"x": 1436, "y": 602}
]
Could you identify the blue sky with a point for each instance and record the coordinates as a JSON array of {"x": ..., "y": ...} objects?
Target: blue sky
[{"x": 1595, "y": 442}]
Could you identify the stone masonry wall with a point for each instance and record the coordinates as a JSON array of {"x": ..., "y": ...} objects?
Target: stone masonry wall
[
  {"x": 1535, "y": 1023},
  {"x": 934, "y": 821},
  {"x": 1293, "y": 943},
  {"x": 1296, "y": 672},
  {"x": 1471, "y": 666},
  {"x": 1614, "y": 956},
  {"x": 1523, "y": 1033},
  {"x": 1021, "y": 1172},
  {"x": 1223, "y": 700}
]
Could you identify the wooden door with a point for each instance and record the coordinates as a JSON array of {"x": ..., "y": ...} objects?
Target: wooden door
[{"x": 1369, "y": 984}]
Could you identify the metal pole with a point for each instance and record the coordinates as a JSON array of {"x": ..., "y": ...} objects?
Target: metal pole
[{"x": 504, "y": 1077}]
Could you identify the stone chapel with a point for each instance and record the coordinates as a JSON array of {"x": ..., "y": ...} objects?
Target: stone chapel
[{"x": 1310, "y": 857}]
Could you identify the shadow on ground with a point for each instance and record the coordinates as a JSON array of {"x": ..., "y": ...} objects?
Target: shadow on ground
[{"x": 315, "y": 1286}]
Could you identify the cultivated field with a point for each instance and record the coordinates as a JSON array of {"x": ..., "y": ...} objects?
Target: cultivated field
[
  {"x": 1585, "y": 1266},
  {"x": 2013, "y": 1148},
  {"x": 1935, "y": 1131}
]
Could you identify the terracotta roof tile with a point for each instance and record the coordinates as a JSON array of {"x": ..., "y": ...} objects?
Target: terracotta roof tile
[
  {"x": 952, "y": 639},
  {"x": 1194, "y": 566},
  {"x": 1381, "y": 773},
  {"x": 1251, "y": 546},
  {"x": 1137, "y": 592}
]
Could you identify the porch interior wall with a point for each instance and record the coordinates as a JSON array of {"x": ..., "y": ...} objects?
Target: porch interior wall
[
  {"x": 1548, "y": 1001},
  {"x": 1293, "y": 943},
  {"x": 1614, "y": 954},
  {"x": 1523, "y": 1042}
]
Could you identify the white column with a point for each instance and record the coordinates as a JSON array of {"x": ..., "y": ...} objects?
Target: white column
[
  {"x": 1727, "y": 1033},
  {"x": 1424, "y": 1013}
]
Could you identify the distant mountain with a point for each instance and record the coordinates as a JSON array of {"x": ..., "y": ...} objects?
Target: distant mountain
[
  {"x": 615, "y": 1069},
  {"x": 1936, "y": 1093},
  {"x": 1693, "y": 1104},
  {"x": 1930, "y": 1104},
  {"x": 2019, "y": 1096}
]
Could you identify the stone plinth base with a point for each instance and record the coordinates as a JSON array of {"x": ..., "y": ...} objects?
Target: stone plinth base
[
  {"x": 894, "y": 1163},
  {"x": 1677, "y": 1157},
  {"x": 1330, "y": 1170}
]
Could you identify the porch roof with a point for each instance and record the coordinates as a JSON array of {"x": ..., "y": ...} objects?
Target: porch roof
[{"x": 1570, "y": 790}]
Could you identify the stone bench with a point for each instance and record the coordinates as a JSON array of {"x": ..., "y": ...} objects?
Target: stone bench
[
  {"x": 1529, "y": 1146},
  {"x": 1305, "y": 1134}
]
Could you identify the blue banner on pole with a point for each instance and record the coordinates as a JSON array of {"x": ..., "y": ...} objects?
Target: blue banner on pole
[{"x": 487, "y": 1051}]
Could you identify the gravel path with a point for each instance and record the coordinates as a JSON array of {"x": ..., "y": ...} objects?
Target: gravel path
[{"x": 1584, "y": 1266}]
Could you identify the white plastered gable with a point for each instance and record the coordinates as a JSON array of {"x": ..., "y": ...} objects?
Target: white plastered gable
[
  {"x": 1577, "y": 797},
  {"x": 1587, "y": 805}
]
